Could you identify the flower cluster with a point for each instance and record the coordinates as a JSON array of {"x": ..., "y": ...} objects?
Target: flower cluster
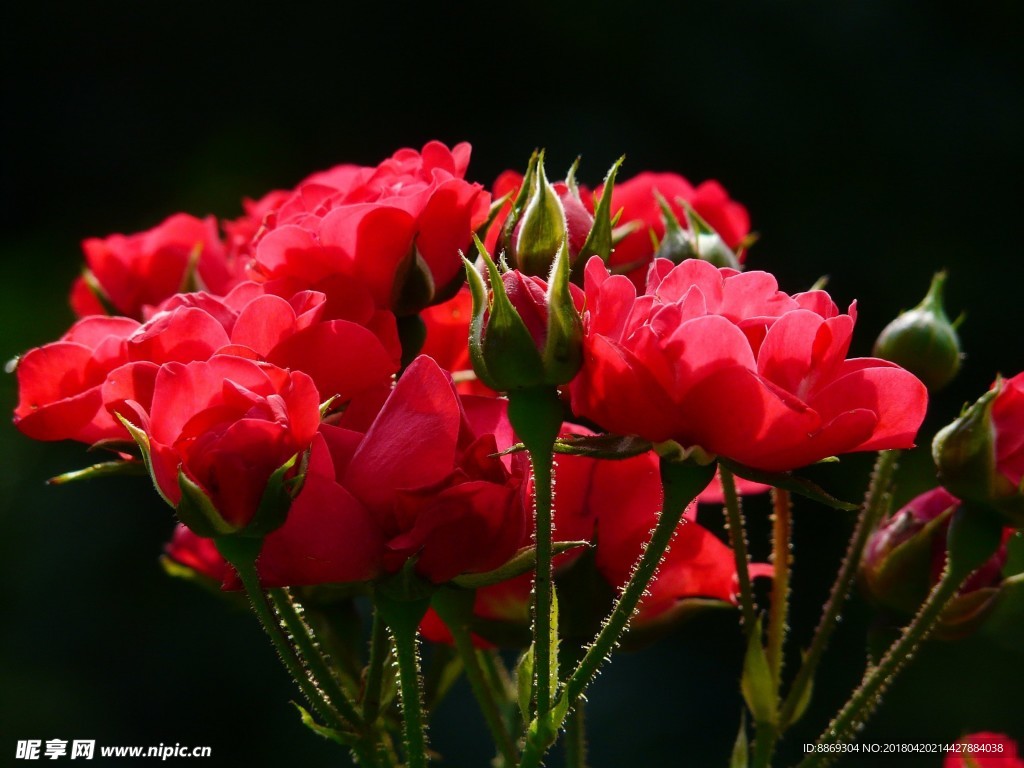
[{"x": 374, "y": 383}]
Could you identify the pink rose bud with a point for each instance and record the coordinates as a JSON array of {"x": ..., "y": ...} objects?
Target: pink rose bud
[{"x": 906, "y": 555}]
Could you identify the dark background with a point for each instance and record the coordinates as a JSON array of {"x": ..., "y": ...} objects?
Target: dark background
[{"x": 872, "y": 141}]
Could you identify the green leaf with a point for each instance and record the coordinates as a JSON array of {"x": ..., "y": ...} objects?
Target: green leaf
[
  {"x": 345, "y": 739},
  {"x": 553, "y": 650},
  {"x": 805, "y": 698},
  {"x": 600, "y": 446},
  {"x": 787, "y": 481},
  {"x": 520, "y": 563},
  {"x": 756, "y": 683},
  {"x": 444, "y": 669},
  {"x": 103, "y": 469},
  {"x": 524, "y": 684},
  {"x": 741, "y": 749}
]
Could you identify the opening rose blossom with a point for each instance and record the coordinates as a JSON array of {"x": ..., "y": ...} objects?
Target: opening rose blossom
[{"x": 724, "y": 360}]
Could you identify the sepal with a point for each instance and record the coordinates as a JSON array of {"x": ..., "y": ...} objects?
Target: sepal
[
  {"x": 542, "y": 229},
  {"x": 521, "y": 562},
  {"x": 601, "y": 239}
]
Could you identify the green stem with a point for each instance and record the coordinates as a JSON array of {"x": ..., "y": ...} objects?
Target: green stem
[
  {"x": 576, "y": 739},
  {"x": 680, "y": 482},
  {"x": 680, "y": 485},
  {"x": 241, "y": 553},
  {"x": 309, "y": 651},
  {"x": 871, "y": 511},
  {"x": 402, "y": 618},
  {"x": 455, "y": 607},
  {"x": 536, "y": 416},
  {"x": 765, "y": 737},
  {"x": 845, "y": 724},
  {"x": 738, "y": 540},
  {"x": 375, "y": 668},
  {"x": 778, "y": 612}
]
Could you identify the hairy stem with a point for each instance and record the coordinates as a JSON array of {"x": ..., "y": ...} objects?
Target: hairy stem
[
  {"x": 872, "y": 509},
  {"x": 738, "y": 540}
]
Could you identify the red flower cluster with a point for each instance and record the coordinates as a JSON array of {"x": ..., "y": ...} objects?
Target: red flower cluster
[{"x": 263, "y": 362}]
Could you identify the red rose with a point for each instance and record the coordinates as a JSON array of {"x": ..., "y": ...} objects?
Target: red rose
[
  {"x": 140, "y": 270},
  {"x": 60, "y": 384},
  {"x": 344, "y": 358},
  {"x": 421, "y": 477},
  {"x": 398, "y": 228},
  {"x": 724, "y": 360},
  {"x": 985, "y": 750},
  {"x": 227, "y": 424}
]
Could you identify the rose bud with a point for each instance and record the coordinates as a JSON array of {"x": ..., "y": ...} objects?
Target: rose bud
[
  {"x": 529, "y": 333},
  {"x": 697, "y": 241},
  {"x": 980, "y": 456},
  {"x": 906, "y": 555},
  {"x": 923, "y": 340},
  {"x": 544, "y": 215}
]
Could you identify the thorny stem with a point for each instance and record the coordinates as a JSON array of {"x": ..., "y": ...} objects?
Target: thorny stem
[
  {"x": 309, "y": 651},
  {"x": 242, "y": 556},
  {"x": 872, "y": 509},
  {"x": 878, "y": 678},
  {"x": 375, "y": 668},
  {"x": 680, "y": 485},
  {"x": 402, "y": 618},
  {"x": 536, "y": 416},
  {"x": 782, "y": 558},
  {"x": 767, "y": 734},
  {"x": 738, "y": 540}
]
